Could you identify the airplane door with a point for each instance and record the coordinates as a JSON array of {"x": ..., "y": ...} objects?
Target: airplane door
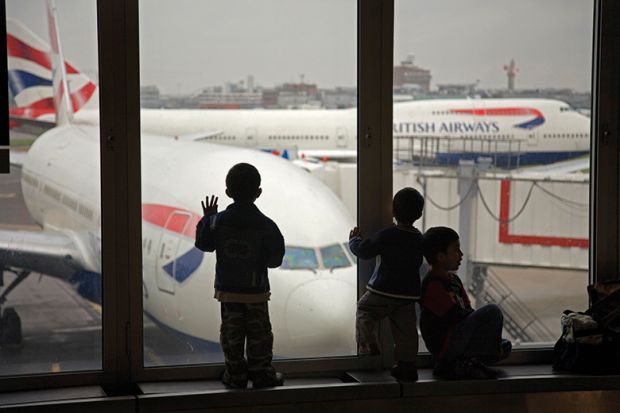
[
  {"x": 341, "y": 137},
  {"x": 532, "y": 138},
  {"x": 168, "y": 249},
  {"x": 251, "y": 136}
]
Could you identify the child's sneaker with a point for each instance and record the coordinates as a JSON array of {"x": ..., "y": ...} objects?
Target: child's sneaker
[
  {"x": 472, "y": 368},
  {"x": 405, "y": 371},
  {"x": 368, "y": 350},
  {"x": 505, "y": 349},
  {"x": 445, "y": 370},
  {"x": 234, "y": 382},
  {"x": 267, "y": 379}
]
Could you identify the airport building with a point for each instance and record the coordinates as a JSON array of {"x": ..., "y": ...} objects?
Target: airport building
[
  {"x": 106, "y": 304},
  {"x": 407, "y": 73}
]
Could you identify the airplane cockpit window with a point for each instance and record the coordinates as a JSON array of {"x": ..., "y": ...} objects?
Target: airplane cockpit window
[
  {"x": 297, "y": 258},
  {"x": 334, "y": 257},
  {"x": 349, "y": 253}
]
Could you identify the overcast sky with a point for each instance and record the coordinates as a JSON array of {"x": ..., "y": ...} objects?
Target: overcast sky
[{"x": 189, "y": 44}]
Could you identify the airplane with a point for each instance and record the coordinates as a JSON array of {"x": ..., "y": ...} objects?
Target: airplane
[
  {"x": 314, "y": 291},
  {"x": 513, "y": 132}
]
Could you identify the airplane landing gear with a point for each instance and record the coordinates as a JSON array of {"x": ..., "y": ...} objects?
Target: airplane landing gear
[
  {"x": 10, "y": 327},
  {"x": 10, "y": 323}
]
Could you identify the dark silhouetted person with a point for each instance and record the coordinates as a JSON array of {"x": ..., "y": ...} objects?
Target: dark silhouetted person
[
  {"x": 246, "y": 243},
  {"x": 462, "y": 340},
  {"x": 395, "y": 284}
]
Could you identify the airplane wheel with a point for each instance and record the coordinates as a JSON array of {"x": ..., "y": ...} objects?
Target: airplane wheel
[{"x": 10, "y": 327}]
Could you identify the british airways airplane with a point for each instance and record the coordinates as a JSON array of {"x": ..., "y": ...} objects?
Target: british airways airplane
[
  {"x": 313, "y": 292},
  {"x": 536, "y": 131}
]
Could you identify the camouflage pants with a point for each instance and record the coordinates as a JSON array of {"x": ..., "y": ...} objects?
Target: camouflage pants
[
  {"x": 372, "y": 308},
  {"x": 243, "y": 322}
]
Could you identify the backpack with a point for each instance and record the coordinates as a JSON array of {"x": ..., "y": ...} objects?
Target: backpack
[{"x": 590, "y": 340}]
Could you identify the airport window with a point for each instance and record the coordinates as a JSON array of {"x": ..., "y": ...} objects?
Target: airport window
[
  {"x": 65, "y": 163},
  {"x": 505, "y": 249},
  {"x": 179, "y": 182}
]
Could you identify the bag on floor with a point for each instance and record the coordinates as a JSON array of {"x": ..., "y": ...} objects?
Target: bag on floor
[{"x": 586, "y": 347}]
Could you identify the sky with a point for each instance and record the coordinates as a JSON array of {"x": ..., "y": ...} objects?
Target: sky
[{"x": 190, "y": 44}]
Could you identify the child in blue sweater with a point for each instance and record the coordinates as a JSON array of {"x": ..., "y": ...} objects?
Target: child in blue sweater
[{"x": 395, "y": 284}]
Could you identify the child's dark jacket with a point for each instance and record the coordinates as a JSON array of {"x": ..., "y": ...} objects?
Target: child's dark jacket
[
  {"x": 246, "y": 244},
  {"x": 398, "y": 273},
  {"x": 444, "y": 304}
]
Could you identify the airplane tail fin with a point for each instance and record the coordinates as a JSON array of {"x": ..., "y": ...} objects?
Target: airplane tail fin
[
  {"x": 60, "y": 86},
  {"x": 31, "y": 78}
]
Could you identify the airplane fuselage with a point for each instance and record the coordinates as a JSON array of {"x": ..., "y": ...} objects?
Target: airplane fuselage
[
  {"x": 535, "y": 130},
  {"x": 312, "y": 306}
]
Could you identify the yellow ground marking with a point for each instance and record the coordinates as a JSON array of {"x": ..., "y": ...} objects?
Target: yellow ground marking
[
  {"x": 55, "y": 367},
  {"x": 96, "y": 307}
]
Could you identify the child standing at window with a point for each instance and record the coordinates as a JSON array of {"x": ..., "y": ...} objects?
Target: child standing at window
[
  {"x": 246, "y": 244},
  {"x": 395, "y": 284}
]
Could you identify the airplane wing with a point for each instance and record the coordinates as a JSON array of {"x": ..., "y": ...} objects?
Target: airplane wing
[
  {"x": 200, "y": 136},
  {"x": 564, "y": 167},
  {"x": 329, "y": 154},
  {"x": 50, "y": 253}
]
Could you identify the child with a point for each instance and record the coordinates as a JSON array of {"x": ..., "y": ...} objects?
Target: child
[
  {"x": 394, "y": 285},
  {"x": 460, "y": 338},
  {"x": 246, "y": 242}
]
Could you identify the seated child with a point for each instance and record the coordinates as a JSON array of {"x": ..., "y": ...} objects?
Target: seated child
[
  {"x": 246, "y": 243},
  {"x": 460, "y": 338},
  {"x": 395, "y": 284}
]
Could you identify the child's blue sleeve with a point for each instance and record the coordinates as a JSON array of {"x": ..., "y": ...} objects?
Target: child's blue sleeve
[
  {"x": 275, "y": 244},
  {"x": 368, "y": 248},
  {"x": 205, "y": 239}
]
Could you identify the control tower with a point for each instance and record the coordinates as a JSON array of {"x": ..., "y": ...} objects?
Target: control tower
[{"x": 511, "y": 72}]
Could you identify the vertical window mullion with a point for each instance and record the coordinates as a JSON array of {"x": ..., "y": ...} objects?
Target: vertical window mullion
[
  {"x": 605, "y": 211},
  {"x": 375, "y": 72},
  {"x": 120, "y": 175}
]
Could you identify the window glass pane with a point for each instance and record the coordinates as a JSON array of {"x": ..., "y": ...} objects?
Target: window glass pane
[
  {"x": 491, "y": 125},
  {"x": 273, "y": 84},
  {"x": 50, "y": 225}
]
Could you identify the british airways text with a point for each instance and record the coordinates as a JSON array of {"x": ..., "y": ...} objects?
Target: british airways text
[{"x": 444, "y": 127}]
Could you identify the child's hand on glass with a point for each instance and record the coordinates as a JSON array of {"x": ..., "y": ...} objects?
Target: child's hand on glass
[{"x": 211, "y": 206}]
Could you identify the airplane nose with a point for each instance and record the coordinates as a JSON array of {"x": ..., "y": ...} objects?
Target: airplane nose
[{"x": 320, "y": 318}]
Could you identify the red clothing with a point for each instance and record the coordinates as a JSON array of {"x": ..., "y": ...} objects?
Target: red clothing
[{"x": 444, "y": 304}]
